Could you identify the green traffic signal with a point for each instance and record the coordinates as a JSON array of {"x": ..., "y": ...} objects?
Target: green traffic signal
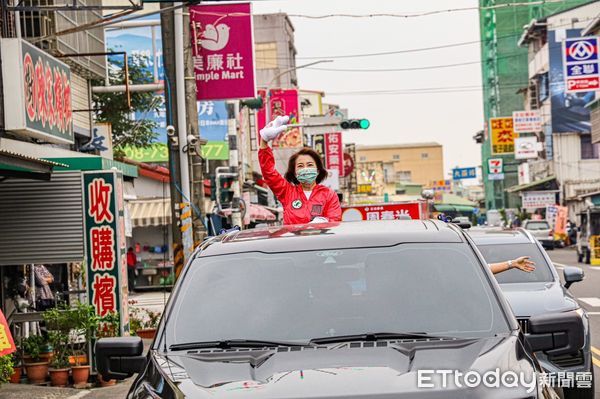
[{"x": 355, "y": 124}]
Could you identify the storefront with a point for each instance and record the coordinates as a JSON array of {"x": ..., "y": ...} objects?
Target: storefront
[
  {"x": 152, "y": 233},
  {"x": 42, "y": 223}
]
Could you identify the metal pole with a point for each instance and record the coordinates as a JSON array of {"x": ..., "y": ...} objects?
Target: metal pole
[
  {"x": 154, "y": 57},
  {"x": 181, "y": 122},
  {"x": 270, "y": 85},
  {"x": 236, "y": 215},
  {"x": 172, "y": 142},
  {"x": 194, "y": 157}
]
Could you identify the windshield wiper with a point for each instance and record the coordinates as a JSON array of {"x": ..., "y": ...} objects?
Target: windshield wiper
[
  {"x": 372, "y": 337},
  {"x": 234, "y": 343}
]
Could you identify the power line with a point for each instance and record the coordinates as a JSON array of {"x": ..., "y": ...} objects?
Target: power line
[
  {"x": 419, "y": 49},
  {"x": 420, "y": 68},
  {"x": 419, "y": 90},
  {"x": 400, "y": 15}
]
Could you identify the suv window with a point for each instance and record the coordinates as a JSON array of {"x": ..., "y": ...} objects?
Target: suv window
[
  {"x": 537, "y": 226},
  {"x": 502, "y": 252},
  {"x": 296, "y": 296}
]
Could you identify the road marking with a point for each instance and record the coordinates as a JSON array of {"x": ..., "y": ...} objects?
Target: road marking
[
  {"x": 593, "y": 313},
  {"x": 597, "y": 352},
  {"x": 585, "y": 267},
  {"x": 593, "y": 301}
]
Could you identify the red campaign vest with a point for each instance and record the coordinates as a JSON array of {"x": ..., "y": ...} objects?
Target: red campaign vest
[{"x": 297, "y": 208}]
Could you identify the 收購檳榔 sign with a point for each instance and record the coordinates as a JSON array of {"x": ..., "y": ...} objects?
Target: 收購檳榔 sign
[{"x": 105, "y": 244}]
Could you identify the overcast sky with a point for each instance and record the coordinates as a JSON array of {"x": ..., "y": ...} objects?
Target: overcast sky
[{"x": 448, "y": 118}]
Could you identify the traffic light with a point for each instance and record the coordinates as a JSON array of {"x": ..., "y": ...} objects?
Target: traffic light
[
  {"x": 253, "y": 103},
  {"x": 226, "y": 194},
  {"x": 355, "y": 124}
]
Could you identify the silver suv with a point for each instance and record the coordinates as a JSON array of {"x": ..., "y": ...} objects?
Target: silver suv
[{"x": 542, "y": 231}]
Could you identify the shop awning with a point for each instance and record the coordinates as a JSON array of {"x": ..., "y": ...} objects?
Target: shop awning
[
  {"x": 453, "y": 208},
  {"x": 21, "y": 165},
  {"x": 94, "y": 162},
  {"x": 68, "y": 160},
  {"x": 522, "y": 187},
  {"x": 150, "y": 212}
]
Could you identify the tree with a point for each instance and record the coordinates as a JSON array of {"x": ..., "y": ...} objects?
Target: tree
[{"x": 112, "y": 107}]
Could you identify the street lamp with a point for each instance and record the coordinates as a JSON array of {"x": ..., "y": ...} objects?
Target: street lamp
[{"x": 268, "y": 93}]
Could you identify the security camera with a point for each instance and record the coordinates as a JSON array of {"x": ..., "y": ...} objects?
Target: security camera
[
  {"x": 171, "y": 130},
  {"x": 427, "y": 194},
  {"x": 192, "y": 140}
]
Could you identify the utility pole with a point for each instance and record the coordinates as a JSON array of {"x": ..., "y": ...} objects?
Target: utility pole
[
  {"x": 191, "y": 110},
  {"x": 168, "y": 40},
  {"x": 232, "y": 137}
]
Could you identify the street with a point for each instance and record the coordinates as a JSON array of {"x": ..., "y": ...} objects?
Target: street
[{"x": 588, "y": 296}]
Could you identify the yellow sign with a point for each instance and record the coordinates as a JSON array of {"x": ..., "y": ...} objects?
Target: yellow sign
[
  {"x": 595, "y": 250},
  {"x": 364, "y": 188},
  {"x": 502, "y": 136}
]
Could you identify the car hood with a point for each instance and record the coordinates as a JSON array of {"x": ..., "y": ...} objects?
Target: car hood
[
  {"x": 531, "y": 299},
  {"x": 342, "y": 371}
]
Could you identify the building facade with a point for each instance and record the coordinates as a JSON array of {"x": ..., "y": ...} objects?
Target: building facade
[
  {"x": 388, "y": 166},
  {"x": 504, "y": 73},
  {"x": 570, "y": 156}
]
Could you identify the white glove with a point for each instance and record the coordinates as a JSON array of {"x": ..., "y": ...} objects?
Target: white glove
[
  {"x": 274, "y": 128},
  {"x": 319, "y": 219}
]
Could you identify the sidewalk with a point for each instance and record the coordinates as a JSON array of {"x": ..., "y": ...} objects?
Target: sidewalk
[{"x": 26, "y": 391}]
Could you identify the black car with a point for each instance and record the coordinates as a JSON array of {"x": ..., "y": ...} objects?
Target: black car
[
  {"x": 382, "y": 309},
  {"x": 539, "y": 293}
]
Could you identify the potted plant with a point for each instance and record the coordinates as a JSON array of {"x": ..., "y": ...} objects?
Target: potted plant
[
  {"x": 148, "y": 325},
  {"x": 84, "y": 321},
  {"x": 108, "y": 326},
  {"x": 59, "y": 326},
  {"x": 15, "y": 378},
  {"x": 36, "y": 367},
  {"x": 6, "y": 368},
  {"x": 59, "y": 371}
]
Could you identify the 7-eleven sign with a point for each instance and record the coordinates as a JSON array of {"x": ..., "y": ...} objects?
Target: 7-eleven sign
[{"x": 495, "y": 166}]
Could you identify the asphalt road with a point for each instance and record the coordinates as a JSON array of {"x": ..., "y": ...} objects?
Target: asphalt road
[{"x": 587, "y": 293}]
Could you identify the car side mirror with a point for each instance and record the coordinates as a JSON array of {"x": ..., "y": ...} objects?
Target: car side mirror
[
  {"x": 120, "y": 357},
  {"x": 572, "y": 275},
  {"x": 556, "y": 333}
]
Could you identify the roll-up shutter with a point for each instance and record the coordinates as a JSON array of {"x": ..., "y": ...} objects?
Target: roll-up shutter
[{"x": 41, "y": 221}]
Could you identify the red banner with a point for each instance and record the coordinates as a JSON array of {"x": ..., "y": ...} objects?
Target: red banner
[
  {"x": 334, "y": 158},
  {"x": 282, "y": 102},
  {"x": 390, "y": 211},
  {"x": 7, "y": 345},
  {"x": 223, "y": 51}
]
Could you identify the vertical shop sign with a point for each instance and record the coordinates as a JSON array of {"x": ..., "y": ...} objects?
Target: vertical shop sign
[{"x": 105, "y": 244}]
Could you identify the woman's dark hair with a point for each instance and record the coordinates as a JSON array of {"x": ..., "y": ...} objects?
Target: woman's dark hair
[{"x": 290, "y": 174}]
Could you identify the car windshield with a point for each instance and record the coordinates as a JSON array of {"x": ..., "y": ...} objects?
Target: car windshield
[
  {"x": 297, "y": 296},
  {"x": 501, "y": 252},
  {"x": 538, "y": 226}
]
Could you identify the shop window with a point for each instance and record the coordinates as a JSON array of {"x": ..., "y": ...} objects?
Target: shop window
[
  {"x": 403, "y": 175},
  {"x": 589, "y": 150}
]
